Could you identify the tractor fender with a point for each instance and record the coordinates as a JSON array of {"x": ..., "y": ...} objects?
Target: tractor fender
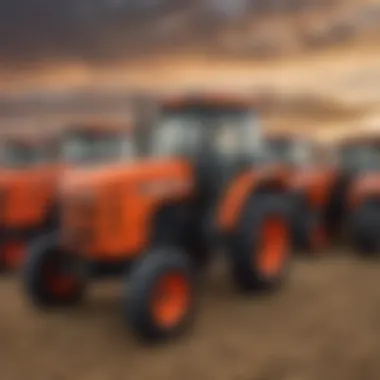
[
  {"x": 316, "y": 184},
  {"x": 242, "y": 188},
  {"x": 367, "y": 186}
]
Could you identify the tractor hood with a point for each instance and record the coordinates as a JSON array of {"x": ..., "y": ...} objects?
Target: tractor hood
[
  {"x": 26, "y": 194},
  {"x": 98, "y": 205},
  {"x": 149, "y": 173},
  {"x": 28, "y": 178}
]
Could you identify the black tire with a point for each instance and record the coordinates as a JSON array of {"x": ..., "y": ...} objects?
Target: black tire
[
  {"x": 3, "y": 265},
  {"x": 44, "y": 253},
  {"x": 364, "y": 229},
  {"x": 244, "y": 248},
  {"x": 139, "y": 292}
]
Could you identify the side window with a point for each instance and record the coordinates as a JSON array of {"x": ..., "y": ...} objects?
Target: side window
[
  {"x": 75, "y": 148},
  {"x": 176, "y": 136},
  {"x": 253, "y": 142},
  {"x": 167, "y": 138},
  {"x": 128, "y": 148},
  {"x": 301, "y": 153},
  {"x": 227, "y": 141},
  {"x": 193, "y": 139}
]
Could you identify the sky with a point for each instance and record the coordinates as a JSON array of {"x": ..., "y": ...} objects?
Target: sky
[{"x": 96, "y": 30}]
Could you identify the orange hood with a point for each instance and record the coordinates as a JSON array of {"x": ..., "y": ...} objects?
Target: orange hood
[{"x": 78, "y": 179}]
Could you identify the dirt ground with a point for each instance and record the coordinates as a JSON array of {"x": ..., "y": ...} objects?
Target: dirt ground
[{"x": 325, "y": 324}]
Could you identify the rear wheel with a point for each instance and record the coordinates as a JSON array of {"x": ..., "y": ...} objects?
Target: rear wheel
[
  {"x": 160, "y": 296},
  {"x": 50, "y": 277},
  {"x": 260, "y": 248}
]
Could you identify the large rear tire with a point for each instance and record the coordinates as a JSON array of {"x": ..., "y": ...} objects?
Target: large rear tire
[
  {"x": 260, "y": 248},
  {"x": 50, "y": 279},
  {"x": 160, "y": 296}
]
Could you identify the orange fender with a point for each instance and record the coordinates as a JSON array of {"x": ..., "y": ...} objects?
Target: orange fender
[
  {"x": 241, "y": 188},
  {"x": 316, "y": 184}
]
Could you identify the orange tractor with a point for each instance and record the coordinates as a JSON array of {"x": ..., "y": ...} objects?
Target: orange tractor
[
  {"x": 358, "y": 208},
  {"x": 28, "y": 176},
  {"x": 30, "y": 170},
  {"x": 336, "y": 196},
  {"x": 310, "y": 180},
  {"x": 153, "y": 217}
]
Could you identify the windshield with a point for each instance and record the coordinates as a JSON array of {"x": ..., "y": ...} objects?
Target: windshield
[
  {"x": 93, "y": 148},
  {"x": 360, "y": 157},
  {"x": 19, "y": 155},
  {"x": 183, "y": 131}
]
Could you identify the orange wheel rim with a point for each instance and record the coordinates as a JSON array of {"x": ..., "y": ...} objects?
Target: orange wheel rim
[
  {"x": 62, "y": 285},
  {"x": 59, "y": 283},
  {"x": 13, "y": 254},
  {"x": 171, "y": 300},
  {"x": 273, "y": 249}
]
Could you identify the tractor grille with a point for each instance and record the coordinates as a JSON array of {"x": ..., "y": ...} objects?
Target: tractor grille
[
  {"x": 3, "y": 200},
  {"x": 78, "y": 226}
]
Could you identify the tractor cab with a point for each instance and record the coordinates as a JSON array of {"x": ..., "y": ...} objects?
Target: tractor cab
[
  {"x": 294, "y": 151},
  {"x": 94, "y": 144},
  {"x": 358, "y": 159},
  {"x": 225, "y": 128},
  {"x": 356, "y": 163},
  {"x": 18, "y": 153},
  {"x": 310, "y": 181},
  {"x": 218, "y": 136},
  {"x": 359, "y": 155},
  {"x": 21, "y": 153}
]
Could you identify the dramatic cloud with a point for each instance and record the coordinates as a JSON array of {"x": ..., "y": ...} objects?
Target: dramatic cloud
[{"x": 98, "y": 30}]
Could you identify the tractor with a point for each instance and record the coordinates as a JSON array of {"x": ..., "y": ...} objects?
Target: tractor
[
  {"x": 358, "y": 158},
  {"x": 30, "y": 170},
  {"x": 310, "y": 180},
  {"x": 28, "y": 176},
  {"x": 152, "y": 215}
]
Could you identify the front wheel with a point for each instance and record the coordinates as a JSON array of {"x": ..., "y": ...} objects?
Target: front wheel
[
  {"x": 260, "y": 248},
  {"x": 160, "y": 296},
  {"x": 50, "y": 279}
]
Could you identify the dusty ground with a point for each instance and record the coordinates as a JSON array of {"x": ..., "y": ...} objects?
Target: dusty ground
[{"x": 325, "y": 324}]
